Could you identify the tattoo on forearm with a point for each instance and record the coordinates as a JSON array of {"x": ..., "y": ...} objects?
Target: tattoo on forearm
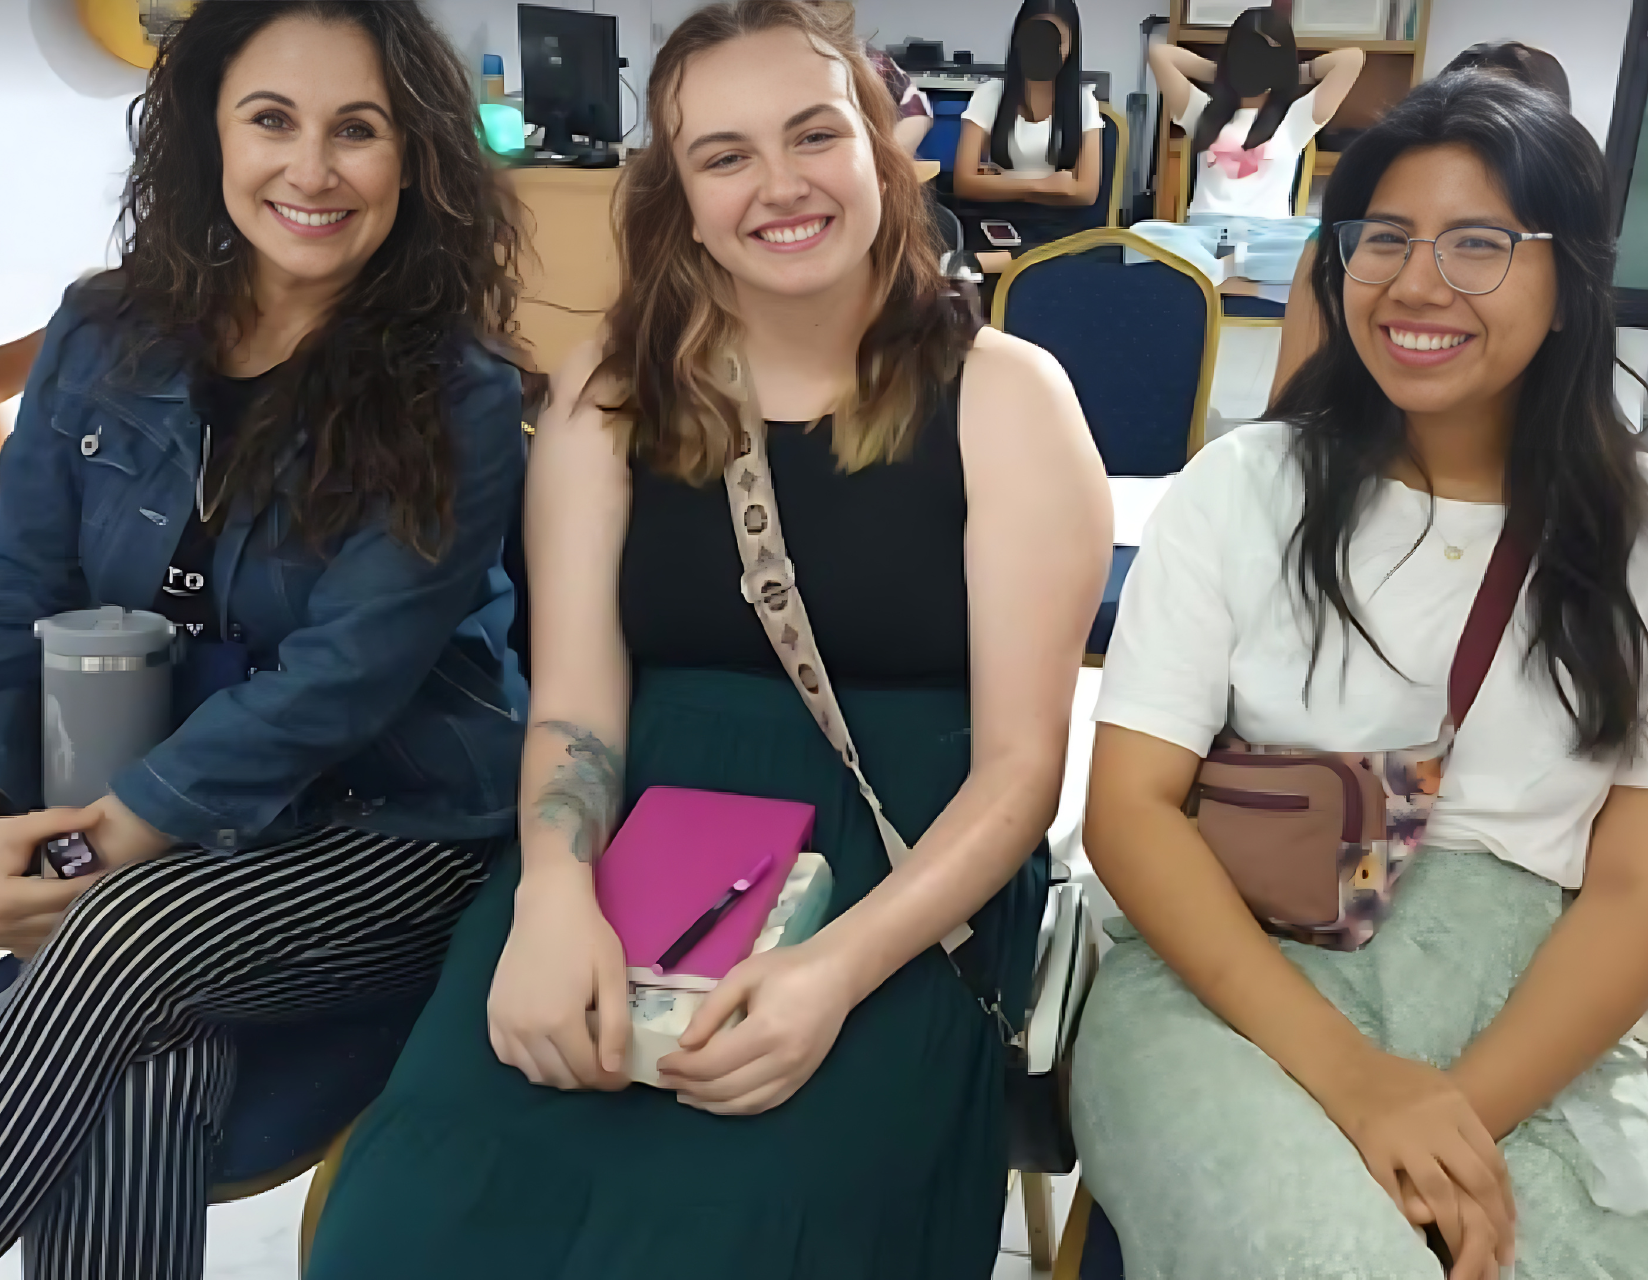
[{"x": 582, "y": 797}]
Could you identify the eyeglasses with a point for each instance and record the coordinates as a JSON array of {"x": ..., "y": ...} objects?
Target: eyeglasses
[{"x": 1472, "y": 260}]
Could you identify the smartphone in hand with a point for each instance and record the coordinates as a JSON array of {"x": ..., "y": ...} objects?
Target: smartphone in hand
[{"x": 68, "y": 857}]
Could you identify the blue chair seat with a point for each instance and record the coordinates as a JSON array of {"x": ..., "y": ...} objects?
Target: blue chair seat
[
  {"x": 301, "y": 1082},
  {"x": 1101, "y": 1256},
  {"x": 1254, "y": 308},
  {"x": 1121, "y": 560}
]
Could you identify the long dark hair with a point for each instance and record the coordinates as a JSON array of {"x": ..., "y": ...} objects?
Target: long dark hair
[
  {"x": 1065, "y": 138},
  {"x": 365, "y": 385},
  {"x": 1527, "y": 64},
  {"x": 1259, "y": 56},
  {"x": 1572, "y": 484}
]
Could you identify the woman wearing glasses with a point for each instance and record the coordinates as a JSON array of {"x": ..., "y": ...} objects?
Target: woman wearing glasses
[
  {"x": 1462, "y": 1087},
  {"x": 1302, "y": 325}
]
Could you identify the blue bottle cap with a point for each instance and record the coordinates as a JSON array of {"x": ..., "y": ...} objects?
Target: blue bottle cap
[{"x": 492, "y": 64}]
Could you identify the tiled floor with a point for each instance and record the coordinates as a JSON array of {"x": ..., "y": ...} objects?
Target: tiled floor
[{"x": 251, "y": 1240}]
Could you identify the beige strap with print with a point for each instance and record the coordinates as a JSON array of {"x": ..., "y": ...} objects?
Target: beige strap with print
[{"x": 768, "y": 584}]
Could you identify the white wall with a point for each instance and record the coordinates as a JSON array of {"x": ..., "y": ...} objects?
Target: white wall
[
  {"x": 490, "y": 26},
  {"x": 1110, "y": 30},
  {"x": 1587, "y": 37},
  {"x": 63, "y": 153},
  {"x": 63, "y": 100}
]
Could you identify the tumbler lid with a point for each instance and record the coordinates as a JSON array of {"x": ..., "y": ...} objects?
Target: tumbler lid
[{"x": 109, "y": 632}]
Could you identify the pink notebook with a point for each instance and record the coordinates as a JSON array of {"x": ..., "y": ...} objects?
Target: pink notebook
[{"x": 677, "y": 853}]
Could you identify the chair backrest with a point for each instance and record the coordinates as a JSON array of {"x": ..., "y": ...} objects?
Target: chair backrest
[
  {"x": 1138, "y": 341},
  {"x": 1115, "y": 164},
  {"x": 940, "y": 142},
  {"x": 514, "y": 561},
  {"x": 1307, "y": 173}
]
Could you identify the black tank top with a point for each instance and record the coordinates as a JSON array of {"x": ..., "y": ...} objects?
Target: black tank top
[{"x": 878, "y": 559}]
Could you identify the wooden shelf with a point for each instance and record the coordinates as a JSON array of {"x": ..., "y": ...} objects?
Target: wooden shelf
[{"x": 1311, "y": 44}]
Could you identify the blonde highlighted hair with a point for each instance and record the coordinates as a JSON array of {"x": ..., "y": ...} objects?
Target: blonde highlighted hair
[{"x": 674, "y": 314}]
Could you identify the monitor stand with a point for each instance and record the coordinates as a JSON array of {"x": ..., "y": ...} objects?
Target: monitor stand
[
  {"x": 599, "y": 156},
  {"x": 558, "y": 146}
]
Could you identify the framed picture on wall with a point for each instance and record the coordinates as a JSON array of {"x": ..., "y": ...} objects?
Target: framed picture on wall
[
  {"x": 1350, "y": 18},
  {"x": 1214, "y": 13}
]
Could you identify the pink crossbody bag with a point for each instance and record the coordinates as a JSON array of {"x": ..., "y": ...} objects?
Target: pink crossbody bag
[{"x": 1316, "y": 841}]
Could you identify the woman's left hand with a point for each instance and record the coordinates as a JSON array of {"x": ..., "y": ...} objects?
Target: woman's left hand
[{"x": 795, "y": 998}]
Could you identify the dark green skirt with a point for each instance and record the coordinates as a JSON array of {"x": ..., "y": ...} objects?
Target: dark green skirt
[{"x": 890, "y": 1162}]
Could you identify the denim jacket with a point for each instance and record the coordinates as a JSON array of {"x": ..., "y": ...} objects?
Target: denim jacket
[{"x": 384, "y": 695}]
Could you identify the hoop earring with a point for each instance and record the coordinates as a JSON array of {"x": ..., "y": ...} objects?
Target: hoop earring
[{"x": 220, "y": 244}]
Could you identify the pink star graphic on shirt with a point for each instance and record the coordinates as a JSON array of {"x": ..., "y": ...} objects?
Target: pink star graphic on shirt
[{"x": 1234, "y": 159}]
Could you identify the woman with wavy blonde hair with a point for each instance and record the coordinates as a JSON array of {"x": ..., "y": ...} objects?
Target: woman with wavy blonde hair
[{"x": 949, "y": 522}]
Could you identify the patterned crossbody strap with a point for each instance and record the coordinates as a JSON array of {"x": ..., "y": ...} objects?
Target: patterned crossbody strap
[{"x": 768, "y": 584}]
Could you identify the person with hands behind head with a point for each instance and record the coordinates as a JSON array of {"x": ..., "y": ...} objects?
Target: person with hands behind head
[
  {"x": 1248, "y": 129},
  {"x": 282, "y": 425},
  {"x": 1251, "y": 1106},
  {"x": 948, "y": 519}
]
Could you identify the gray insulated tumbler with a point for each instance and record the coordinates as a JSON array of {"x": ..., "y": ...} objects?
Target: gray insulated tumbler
[{"x": 106, "y": 697}]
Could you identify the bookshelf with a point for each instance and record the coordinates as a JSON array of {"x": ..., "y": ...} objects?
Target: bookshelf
[{"x": 1393, "y": 67}]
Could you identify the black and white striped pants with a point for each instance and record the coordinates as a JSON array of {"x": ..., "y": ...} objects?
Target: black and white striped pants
[{"x": 115, "y": 1074}]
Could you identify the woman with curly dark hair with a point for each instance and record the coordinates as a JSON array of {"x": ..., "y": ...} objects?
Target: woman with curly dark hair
[{"x": 279, "y": 425}]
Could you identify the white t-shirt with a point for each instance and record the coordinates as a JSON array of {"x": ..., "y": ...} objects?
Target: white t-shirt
[
  {"x": 1027, "y": 144},
  {"x": 1251, "y": 184},
  {"x": 1210, "y": 605}
]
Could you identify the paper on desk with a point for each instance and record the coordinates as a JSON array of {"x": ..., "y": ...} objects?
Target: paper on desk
[{"x": 1133, "y": 498}]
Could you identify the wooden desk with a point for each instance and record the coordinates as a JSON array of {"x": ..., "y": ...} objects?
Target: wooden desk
[{"x": 575, "y": 276}]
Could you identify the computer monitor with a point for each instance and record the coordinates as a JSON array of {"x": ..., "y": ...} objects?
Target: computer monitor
[{"x": 569, "y": 76}]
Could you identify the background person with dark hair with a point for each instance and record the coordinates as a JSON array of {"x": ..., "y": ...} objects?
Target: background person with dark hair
[
  {"x": 1247, "y": 133},
  {"x": 1253, "y": 1106},
  {"x": 279, "y": 425},
  {"x": 1035, "y": 136}
]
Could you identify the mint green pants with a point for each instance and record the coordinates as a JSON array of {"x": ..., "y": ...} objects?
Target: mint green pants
[{"x": 1213, "y": 1164}]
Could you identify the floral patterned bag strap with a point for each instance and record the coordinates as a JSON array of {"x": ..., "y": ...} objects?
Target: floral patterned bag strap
[{"x": 768, "y": 583}]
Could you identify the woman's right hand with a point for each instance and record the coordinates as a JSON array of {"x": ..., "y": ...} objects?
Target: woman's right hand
[
  {"x": 31, "y": 908},
  {"x": 559, "y": 1008},
  {"x": 1425, "y": 1145}
]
